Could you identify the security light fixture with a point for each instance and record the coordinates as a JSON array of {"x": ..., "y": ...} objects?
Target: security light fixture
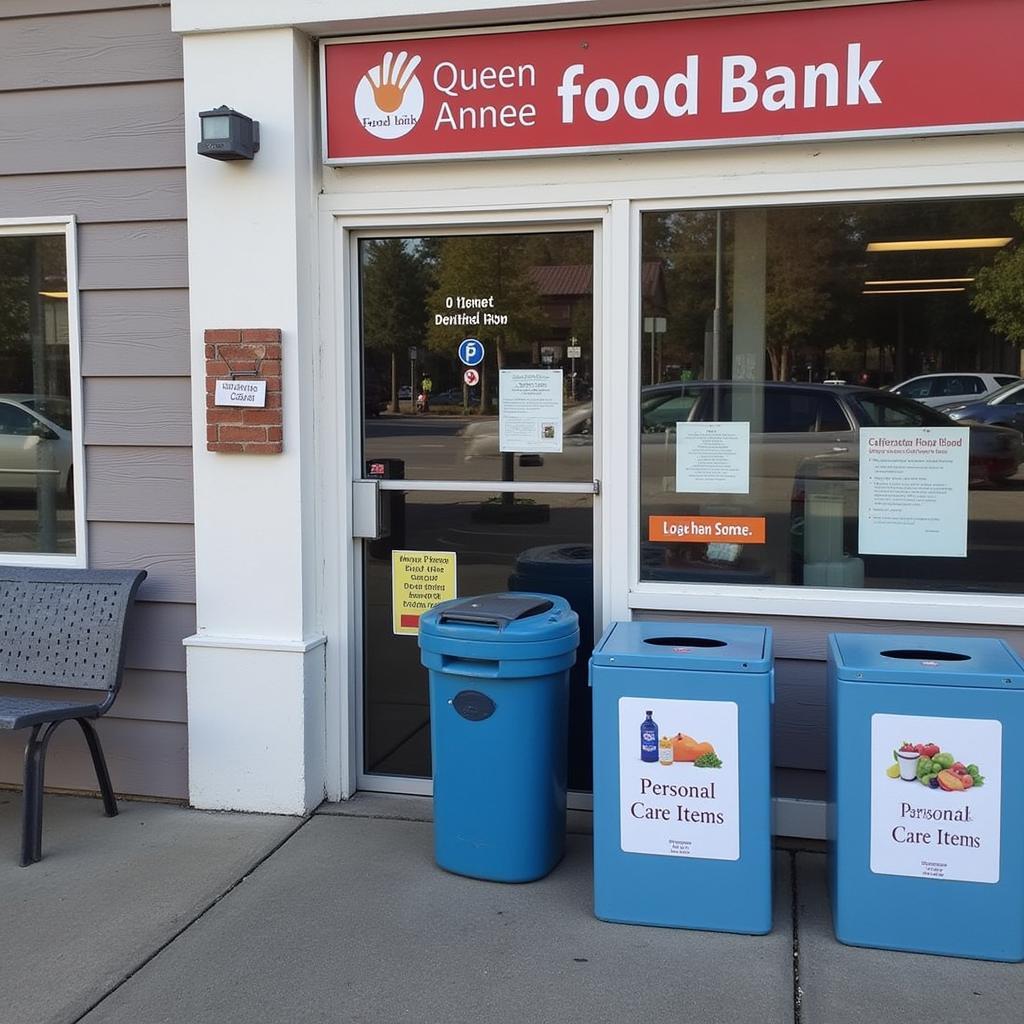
[{"x": 228, "y": 135}]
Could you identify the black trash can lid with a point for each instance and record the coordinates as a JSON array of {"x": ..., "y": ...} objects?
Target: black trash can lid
[{"x": 495, "y": 609}]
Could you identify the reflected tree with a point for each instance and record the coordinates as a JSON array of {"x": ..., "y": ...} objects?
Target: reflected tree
[
  {"x": 478, "y": 267},
  {"x": 999, "y": 289},
  {"x": 395, "y": 285}
]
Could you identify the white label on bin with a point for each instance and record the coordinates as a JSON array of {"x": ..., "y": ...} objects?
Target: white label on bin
[
  {"x": 935, "y": 797},
  {"x": 679, "y": 790}
]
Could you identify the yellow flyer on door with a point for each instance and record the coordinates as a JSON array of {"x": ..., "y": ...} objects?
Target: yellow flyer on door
[{"x": 419, "y": 580}]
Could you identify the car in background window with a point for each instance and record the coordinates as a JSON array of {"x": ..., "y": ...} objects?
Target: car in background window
[
  {"x": 791, "y": 426},
  {"x": 937, "y": 389},
  {"x": 35, "y": 442},
  {"x": 1004, "y": 407},
  {"x": 791, "y": 423}
]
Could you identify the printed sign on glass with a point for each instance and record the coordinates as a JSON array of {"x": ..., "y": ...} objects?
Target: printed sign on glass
[{"x": 419, "y": 580}]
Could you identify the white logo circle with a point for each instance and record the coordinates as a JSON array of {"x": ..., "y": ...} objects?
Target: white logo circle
[{"x": 389, "y": 97}]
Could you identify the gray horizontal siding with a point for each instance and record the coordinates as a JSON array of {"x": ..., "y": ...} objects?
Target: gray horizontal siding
[
  {"x": 165, "y": 550},
  {"x": 138, "y": 410},
  {"x": 154, "y": 639},
  {"x": 135, "y": 333},
  {"x": 89, "y": 48},
  {"x": 150, "y": 254},
  {"x": 144, "y": 758},
  {"x": 148, "y": 695},
  {"x": 800, "y": 723},
  {"x": 26, "y": 8},
  {"x": 152, "y": 696},
  {"x": 91, "y": 125},
  {"x": 98, "y": 127},
  {"x": 139, "y": 485},
  {"x": 96, "y": 195}
]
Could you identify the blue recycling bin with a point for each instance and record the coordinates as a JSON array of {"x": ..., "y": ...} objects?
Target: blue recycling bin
[
  {"x": 682, "y": 775},
  {"x": 499, "y": 695},
  {"x": 926, "y": 839}
]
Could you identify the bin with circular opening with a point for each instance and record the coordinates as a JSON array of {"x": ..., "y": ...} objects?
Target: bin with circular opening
[
  {"x": 499, "y": 692},
  {"x": 926, "y": 832},
  {"x": 682, "y": 775}
]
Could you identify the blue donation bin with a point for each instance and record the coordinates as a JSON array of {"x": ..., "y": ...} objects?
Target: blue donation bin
[
  {"x": 682, "y": 775},
  {"x": 499, "y": 696},
  {"x": 926, "y": 841}
]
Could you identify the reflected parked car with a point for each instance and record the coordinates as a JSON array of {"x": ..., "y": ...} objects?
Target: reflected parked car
[
  {"x": 790, "y": 423},
  {"x": 35, "y": 439},
  {"x": 1004, "y": 407},
  {"x": 936, "y": 389}
]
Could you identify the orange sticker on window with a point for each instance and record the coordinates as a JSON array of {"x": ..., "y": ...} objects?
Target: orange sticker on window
[{"x": 707, "y": 529}]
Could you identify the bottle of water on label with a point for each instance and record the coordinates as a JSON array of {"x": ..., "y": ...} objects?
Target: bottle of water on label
[{"x": 649, "y": 739}]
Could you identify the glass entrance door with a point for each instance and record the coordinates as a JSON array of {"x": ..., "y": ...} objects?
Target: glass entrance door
[{"x": 477, "y": 361}]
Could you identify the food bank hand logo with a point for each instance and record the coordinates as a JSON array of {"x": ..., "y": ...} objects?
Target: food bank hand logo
[{"x": 389, "y": 97}]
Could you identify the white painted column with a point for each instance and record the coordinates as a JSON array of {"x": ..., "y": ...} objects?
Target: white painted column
[{"x": 256, "y": 663}]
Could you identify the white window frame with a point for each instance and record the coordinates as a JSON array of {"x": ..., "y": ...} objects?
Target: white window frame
[
  {"x": 66, "y": 226},
  {"x": 926, "y": 607}
]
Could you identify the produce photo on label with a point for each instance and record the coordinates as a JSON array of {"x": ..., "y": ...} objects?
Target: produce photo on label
[
  {"x": 680, "y": 749},
  {"x": 927, "y": 764}
]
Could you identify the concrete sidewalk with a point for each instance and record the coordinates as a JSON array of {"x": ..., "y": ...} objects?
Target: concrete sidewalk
[{"x": 168, "y": 915}]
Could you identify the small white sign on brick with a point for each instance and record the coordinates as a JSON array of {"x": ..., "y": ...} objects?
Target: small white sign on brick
[{"x": 250, "y": 394}]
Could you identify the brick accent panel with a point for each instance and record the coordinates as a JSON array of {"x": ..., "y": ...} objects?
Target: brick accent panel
[{"x": 248, "y": 354}]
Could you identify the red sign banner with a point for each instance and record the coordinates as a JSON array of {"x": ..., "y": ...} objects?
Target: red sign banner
[{"x": 915, "y": 67}]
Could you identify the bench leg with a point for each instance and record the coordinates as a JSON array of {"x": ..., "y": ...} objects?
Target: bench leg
[
  {"x": 100, "y": 764},
  {"x": 32, "y": 796}
]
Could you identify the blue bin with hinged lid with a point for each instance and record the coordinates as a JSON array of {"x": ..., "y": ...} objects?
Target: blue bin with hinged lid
[
  {"x": 926, "y": 811},
  {"x": 499, "y": 695},
  {"x": 682, "y": 775}
]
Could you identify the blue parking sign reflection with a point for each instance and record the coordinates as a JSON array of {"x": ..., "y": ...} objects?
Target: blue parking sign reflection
[{"x": 471, "y": 352}]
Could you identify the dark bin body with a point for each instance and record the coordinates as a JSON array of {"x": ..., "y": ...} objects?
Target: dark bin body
[
  {"x": 499, "y": 727},
  {"x": 927, "y": 869},
  {"x": 568, "y": 571},
  {"x": 668, "y": 849}
]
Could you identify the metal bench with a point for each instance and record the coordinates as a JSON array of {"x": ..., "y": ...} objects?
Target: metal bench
[{"x": 62, "y": 628}]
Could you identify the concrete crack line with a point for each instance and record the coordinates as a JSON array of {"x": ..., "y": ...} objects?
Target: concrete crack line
[{"x": 305, "y": 820}]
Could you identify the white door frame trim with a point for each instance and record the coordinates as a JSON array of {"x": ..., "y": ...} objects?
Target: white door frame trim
[{"x": 340, "y": 443}]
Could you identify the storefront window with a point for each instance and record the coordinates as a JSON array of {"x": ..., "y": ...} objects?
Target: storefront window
[
  {"x": 831, "y": 396},
  {"x": 36, "y": 450}
]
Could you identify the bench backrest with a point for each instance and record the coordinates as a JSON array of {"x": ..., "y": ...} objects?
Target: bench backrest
[{"x": 65, "y": 627}]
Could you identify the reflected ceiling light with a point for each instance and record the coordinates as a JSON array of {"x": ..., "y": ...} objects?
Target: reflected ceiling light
[
  {"x": 54, "y": 295},
  {"x": 939, "y": 243},
  {"x": 926, "y": 280},
  {"x": 909, "y": 291}
]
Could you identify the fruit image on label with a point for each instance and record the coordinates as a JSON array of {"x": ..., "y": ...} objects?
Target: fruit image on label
[{"x": 932, "y": 767}]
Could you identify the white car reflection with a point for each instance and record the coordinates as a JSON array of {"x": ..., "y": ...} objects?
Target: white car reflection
[
  {"x": 792, "y": 426},
  {"x": 35, "y": 443}
]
